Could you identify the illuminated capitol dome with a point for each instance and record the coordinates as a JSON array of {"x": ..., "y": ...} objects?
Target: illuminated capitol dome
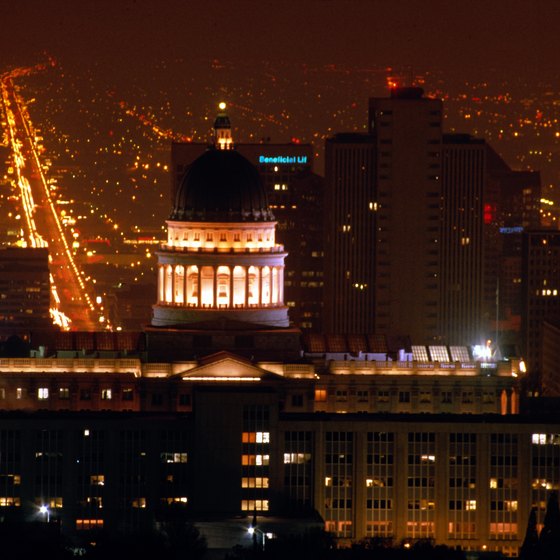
[{"x": 221, "y": 260}]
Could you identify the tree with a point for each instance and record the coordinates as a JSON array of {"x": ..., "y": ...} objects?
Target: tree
[
  {"x": 549, "y": 539},
  {"x": 530, "y": 549},
  {"x": 184, "y": 540}
]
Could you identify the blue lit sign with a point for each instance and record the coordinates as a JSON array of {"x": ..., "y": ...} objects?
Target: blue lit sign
[
  {"x": 516, "y": 229},
  {"x": 283, "y": 159}
]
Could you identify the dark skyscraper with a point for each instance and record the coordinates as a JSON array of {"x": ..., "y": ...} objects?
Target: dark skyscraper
[
  {"x": 462, "y": 246},
  {"x": 408, "y": 135},
  {"x": 350, "y": 234},
  {"x": 541, "y": 290}
]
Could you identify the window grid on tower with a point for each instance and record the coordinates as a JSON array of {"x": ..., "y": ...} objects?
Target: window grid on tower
[
  {"x": 545, "y": 471},
  {"x": 174, "y": 469},
  {"x": 504, "y": 486},
  {"x": 421, "y": 470},
  {"x": 92, "y": 474},
  {"x": 462, "y": 486},
  {"x": 132, "y": 489},
  {"x": 339, "y": 454},
  {"x": 48, "y": 468},
  {"x": 379, "y": 484},
  {"x": 255, "y": 458},
  {"x": 10, "y": 468},
  {"x": 298, "y": 448}
]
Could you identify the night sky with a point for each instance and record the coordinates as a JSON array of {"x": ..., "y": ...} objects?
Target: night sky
[{"x": 460, "y": 38}]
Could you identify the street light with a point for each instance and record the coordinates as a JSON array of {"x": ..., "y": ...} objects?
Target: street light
[
  {"x": 44, "y": 510},
  {"x": 253, "y": 530}
]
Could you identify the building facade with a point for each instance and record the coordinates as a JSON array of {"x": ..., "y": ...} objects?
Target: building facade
[
  {"x": 408, "y": 136},
  {"x": 350, "y": 234}
]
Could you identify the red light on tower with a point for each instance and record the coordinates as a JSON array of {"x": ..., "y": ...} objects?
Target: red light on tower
[{"x": 489, "y": 213}]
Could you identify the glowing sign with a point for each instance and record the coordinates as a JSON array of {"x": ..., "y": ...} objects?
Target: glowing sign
[
  {"x": 516, "y": 229},
  {"x": 283, "y": 159}
]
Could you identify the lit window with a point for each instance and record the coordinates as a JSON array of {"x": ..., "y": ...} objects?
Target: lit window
[
  {"x": 258, "y": 460},
  {"x": 254, "y": 482},
  {"x": 470, "y": 505},
  {"x": 546, "y": 439},
  {"x": 42, "y": 393},
  {"x": 255, "y": 437},
  {"x": 127, "y": 395},
  {"x": 86, "y": 433},
  {"x": 19, "y": 393},
  {"x": 173, "y": 457},
  {"x": 106, "y": 394},
  {"x": 138, "y": 503},
  {"x": 254, "y": 505},
  {"x": 175, "y": 500},
  {"x": 97, "y": 480},
  {"x": 9, "y": 501},
  {"x": 510, "y": 505},
  {"x": 328, "y": 481},
  {"x": 88, "y": 524},
  {"x": 296, "y": 458},
  {"x": 63, "y": 393},
  {"x": 493, "y": 483}
]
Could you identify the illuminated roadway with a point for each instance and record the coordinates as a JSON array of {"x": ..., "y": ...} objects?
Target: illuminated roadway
[{"x": 71, "y": 304}]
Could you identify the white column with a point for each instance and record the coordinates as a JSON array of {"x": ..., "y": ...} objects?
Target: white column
[
  {"x": 231, "y": 269},
  {"x": 246, "y": 286},
  {"x": 199, "y": 287},
  {"x": 259, "y": 268},
  {"x": 215, "y": 286},
  {"x": 161, "y": 283}
]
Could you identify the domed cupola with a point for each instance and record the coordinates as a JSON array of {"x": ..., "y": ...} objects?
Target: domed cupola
[
  {"x": 221, "y": 186},
  {"x": 221, "y": 259}
]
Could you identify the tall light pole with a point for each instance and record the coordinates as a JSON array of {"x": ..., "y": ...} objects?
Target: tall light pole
[{"x": 44, "y": 510}]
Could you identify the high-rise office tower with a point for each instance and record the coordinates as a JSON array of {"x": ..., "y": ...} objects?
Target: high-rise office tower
[
  {"x": 541, "y": 291},
  {"x": 407, "y": 128},
  {"x": 511, "y": 206},
  {"x": 462, "y": 247},
  {"x": 351, "y": 208}
]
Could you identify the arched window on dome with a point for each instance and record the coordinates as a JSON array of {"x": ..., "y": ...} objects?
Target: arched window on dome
[
  {"x": 265, "y": 295},
  {"x": 168, "y": 283},
  {"x": 253, "y": 286},
  {"x": 207, "y": 286},
  {"x": 222, "y": 298},
  {"x": 275, "y": 286},
  {"x": 192, "y": 285},
  {"x": 178, "y": 290},
  {"x": 239, "y": 279}
]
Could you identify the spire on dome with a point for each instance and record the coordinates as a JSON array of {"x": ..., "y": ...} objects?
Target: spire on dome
[{"x": 222, "y": 129}]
